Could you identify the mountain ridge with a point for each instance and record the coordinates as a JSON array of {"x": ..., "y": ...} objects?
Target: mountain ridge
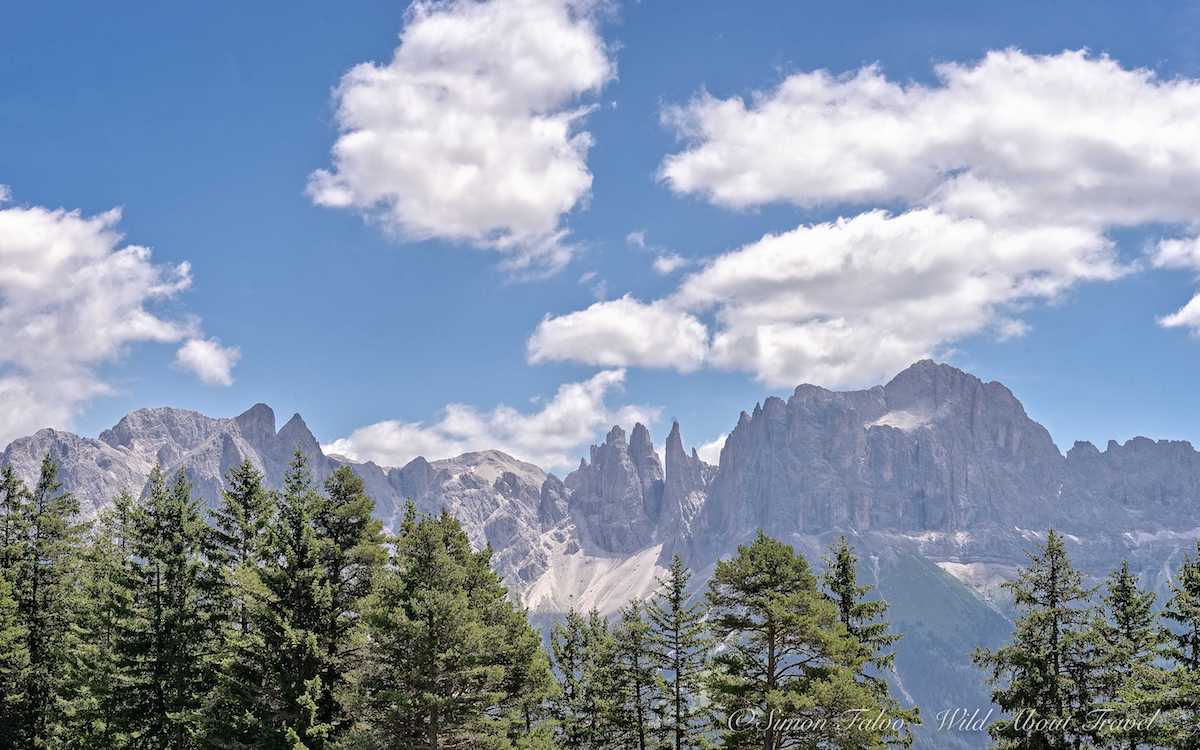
[{"x": 940, "y": 480}]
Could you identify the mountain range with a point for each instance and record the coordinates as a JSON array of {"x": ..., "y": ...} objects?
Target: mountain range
[{"x": 940, "y": 480}]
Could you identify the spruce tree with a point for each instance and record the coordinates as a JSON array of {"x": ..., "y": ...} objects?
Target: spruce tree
[
  {"x": 1181, "y": 693},
  {"x": 13, "y": 520},
  {"x": 289, "y": 616},
  {"x": 352, "y": 554},
  {"x": 638, "y": 699},
  {"x": 95, "y": 711},
  {"x": 1129, "y": 645},
  {"x": 863, "y": 617},
  {"x": 680, "y": 649},
  {"x": 787, "y": 673},
  {"x": 528, "y": 683},
  {"x": 569, "y": 644},
  {"x": 865, "y": 620},
  {"x": 1044, "y": 678},
  {"x": 46, "y": 577},
  {"x": 14, "y": 652},
  {"x": 439, "y": 673},
  {"x": 166, "y": 647},
  {"x": 14, "y": 665},
  {"x": 240, "y": 524}
]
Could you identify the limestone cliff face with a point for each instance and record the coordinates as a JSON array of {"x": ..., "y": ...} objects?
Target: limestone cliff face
[
  {"x": 685, "y": 489},
  {"x": 616, "y": 497},
  {"x": 935, "y": 449}
]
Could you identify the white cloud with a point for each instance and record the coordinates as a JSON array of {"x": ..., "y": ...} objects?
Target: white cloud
[
  {"x": 1177, "y": 253},
  {"x": 1062, "y": 138},
  {"x": 1187, "y": 316},
  {"x": 72, "y": 297},
  {"x": 1184, "y": 254},
  {"x": 710, "y": 452},
  {"x": 1010, "y": 173},
  {"x": 210, "y": 361},
  {"x": 5, "y": 194},
  {"x": 669, "y": 263},
  {"x": 858, "y": 299},
  {"x": 472, "y": 131},
  {"x": 1008, "y": 329},
  {"x": 636, "y": 239},
  {"x": 551, "y": 437},
  {"x": 620, "y": 332}
]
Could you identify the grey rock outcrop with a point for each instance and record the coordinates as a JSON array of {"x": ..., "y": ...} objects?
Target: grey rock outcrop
[
  {"x": 685, "y": 488},
  {"x": 616, "y": 498}
]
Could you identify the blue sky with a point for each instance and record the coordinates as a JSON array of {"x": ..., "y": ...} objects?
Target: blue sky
[{"x": 204, "y": 124}]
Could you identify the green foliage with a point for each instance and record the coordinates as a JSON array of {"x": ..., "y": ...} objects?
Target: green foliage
[
  {"x": 14, "y": 665},
  {"x": 288, "y": 615},
  {"x": 1128, "y": 646},
  {"x": 1180, "y": 693},
  {"x": 865, "y": 620},
  {"x": 45, "y": 569},
  {"x": 444, "y": 669},
  {"x": 637, "y": 698},
  {"x": 786, "y": 672},
  {"x": 679, "y": 647},
  {"x": 1044, "y": 679},
  {"x": 167, "y": 644},
  {"x": 95, "y": 715}
]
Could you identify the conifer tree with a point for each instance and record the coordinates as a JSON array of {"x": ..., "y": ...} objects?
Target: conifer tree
[
  {"x": 528, "y": 683},
  {"x": 637, "y": 700},
  {"x": 240, "y": 524},
  {"x": 439, "y": 673},
  {"x": 610, "y": 724},
  {"x": 95, "y": 713},
  {"x": 680, "y": 650},
  {"x": 569, "y": 644},
  {"x": 1129, "y": 644},
  {"x": 863, "y": 617},
  {"x": 167, "y": 645},
  {"x": 1044, "y": 678},
  {"x": 13, "y": 518},
  {"x": 788, "y": 672},
  {"x": 286, "y": 658},
  {"x": 1181, "y": 694},
  {"x": 14, "y": 664},
  {"x": 14, "y": 652},
  {"x": 352, "y": 554},
  {"x": 865, "y": 620},
  {"x": 46, "y": 574}
]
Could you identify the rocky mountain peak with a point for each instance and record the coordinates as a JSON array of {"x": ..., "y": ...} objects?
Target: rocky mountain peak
[
  {"x": 295, "y": 435},
  {"x": 618, "y": 495},
  {"x": 257, "y": 423}
]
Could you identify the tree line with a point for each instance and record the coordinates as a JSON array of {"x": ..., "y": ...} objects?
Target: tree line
[
  {"x": 288, "y": 620},
  {"x": 1097, "y": 666}
]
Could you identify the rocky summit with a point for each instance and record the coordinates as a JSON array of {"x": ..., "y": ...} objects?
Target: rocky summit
[{"x": 941, "y": 481}]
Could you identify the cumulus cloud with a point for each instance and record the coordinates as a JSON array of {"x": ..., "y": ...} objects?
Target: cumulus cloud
[
  {"x": 1069, "y": 137},
  {"x": 551, "y": 437},
  {"x": 472, "y": 132},
  {"x": 208, "y": 360},
  {"x": 622, "y": 331},
  {"x": 72, "y": 297},
  {"x": 859, "y": 299},
  {"x": 1008, "y": 175}
]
